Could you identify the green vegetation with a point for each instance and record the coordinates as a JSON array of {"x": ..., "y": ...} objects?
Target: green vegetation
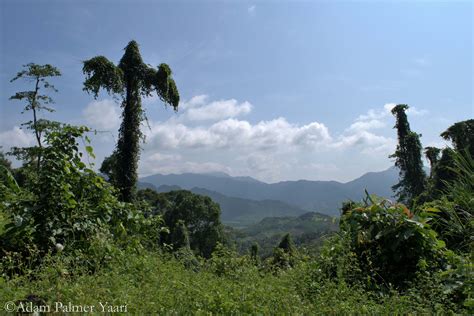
[
  {"x": 132, "y": 79},
  {"x": 189, "y": 214},
  {"x": 67, "y": 236},
  {"x": 35, "y": 102},
  {"x": 308, "y": 231},
  {"x": 408, "y": 158}
]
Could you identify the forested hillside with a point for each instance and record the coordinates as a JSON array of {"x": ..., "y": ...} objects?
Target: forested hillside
[{"x": 318, "y": 196}]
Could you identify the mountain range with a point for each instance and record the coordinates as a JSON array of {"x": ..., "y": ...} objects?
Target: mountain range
[
  {"x": 241, "y": 198},
  {"x": 239, "y": 212}
]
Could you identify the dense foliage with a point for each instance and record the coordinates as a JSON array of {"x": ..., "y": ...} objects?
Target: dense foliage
[
  {"x": 408, "y": 158},
  {"x": 132, "y": 79},
  {"x": 189, "y": 214},
  {"x": 392, "y": 245},
  {"x": 66, "y": 207},
  {"x": 307, "y": 231}
]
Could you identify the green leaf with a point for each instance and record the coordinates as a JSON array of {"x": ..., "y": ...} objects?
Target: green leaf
[{"x": 90, "y": 151}]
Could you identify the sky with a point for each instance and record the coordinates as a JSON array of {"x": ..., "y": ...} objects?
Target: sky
[{"x": 280, "y": 90}]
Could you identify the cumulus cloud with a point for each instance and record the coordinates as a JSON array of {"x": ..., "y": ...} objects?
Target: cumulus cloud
[
  {"x": 216, "y": 110},
  {"x": 264, "y": 135},
  {"x": 15, "y": 137},
  {"x": 377, "y": 118},
  {"x": 366, "y": 125},
  {"x": 416, "y": 112},
  {"x": 102, "y": 115},
  {"x": 366, "y": 142},
  {"x": 194, "y": 101},
  {"x": 209, "y": 136}
]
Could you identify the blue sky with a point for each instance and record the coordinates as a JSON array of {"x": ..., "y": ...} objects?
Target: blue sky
[{"x": 276, "y": 90}]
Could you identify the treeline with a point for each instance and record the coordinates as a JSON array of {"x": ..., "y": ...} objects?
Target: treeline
[{"x": 61, "y": 221}]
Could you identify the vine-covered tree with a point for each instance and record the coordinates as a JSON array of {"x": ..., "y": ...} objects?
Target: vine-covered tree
[
  {"x": 180, "y": 236},
  {"x": 407, "y": 158},
  {"x": 131, "y": 80},
  {"x": 254, "y": 251},
  {"x": 287, "y": 244},
  {"x": 461, "y": 134},
  {"x": 35, "y": 101},
  {"x": 284, "y": 254},
  {"x": 432, "y": 154}
]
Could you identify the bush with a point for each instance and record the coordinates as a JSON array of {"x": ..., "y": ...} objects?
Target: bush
[
  {"x": 227, "y": 263},
  {"x": 66, "y": 207},
  {"x": 391, "y": 243},
  {"x": 454, "y": 211}
]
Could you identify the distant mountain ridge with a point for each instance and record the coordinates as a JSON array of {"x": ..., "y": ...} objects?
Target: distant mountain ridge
[
  {"x": 242, "y": 212},
  {"x": 317, "y": 196},
  {"x": 238, "y": 212}
]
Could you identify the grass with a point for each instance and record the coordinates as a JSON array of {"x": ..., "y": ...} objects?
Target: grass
[{"x": 151, "y": 282}]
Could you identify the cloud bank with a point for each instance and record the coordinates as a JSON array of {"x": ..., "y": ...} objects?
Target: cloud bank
[
  {"x": 207, "y": 135},
  {"x": 217, "y": 135}
]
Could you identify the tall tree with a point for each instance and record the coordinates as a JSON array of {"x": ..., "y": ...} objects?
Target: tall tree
[
  {"x": 254, "y": 251},
  {"x": 287, "y": 245},
  {"x": 284, "y": 254},
  {"x": 131, "y": 80},
  {"x": 461, "y": 134},
  {"x": 35, "y": 101},
  {"x": 407, "y": 158},
  {"x": 432, "y": 154}
]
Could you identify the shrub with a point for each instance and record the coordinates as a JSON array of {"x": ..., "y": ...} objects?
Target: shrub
[
  {"x": 227, "y": 263},
  {"x": 66, "y": 206},
  {"x": 454, "y": 211},
  {"x": 391, "y": 243}
]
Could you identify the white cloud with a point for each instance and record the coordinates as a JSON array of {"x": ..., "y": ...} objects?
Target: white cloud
[
  {"x": 366, "y": 142},
  {"x": 377, "y": 114},
  {"x": 366, "y": 125},
  {"x": 216, "y": 110},
  {"x": 251, "y": 9},
  {"x": 208, "y": 136},
  {"x": 102, "y": 115},
  {"x": 16, "y": 137},
  {"x": 386, "y": 112},
  {"x": 265, "y": 135},
  {"x": 194, "y": 101},
  {"x": 358, "y": 134},
  {"x": 415, "y": 112}
]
